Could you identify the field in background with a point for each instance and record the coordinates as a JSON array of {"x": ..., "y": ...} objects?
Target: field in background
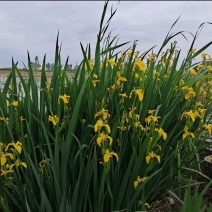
[{"x": 5, "y": 73}]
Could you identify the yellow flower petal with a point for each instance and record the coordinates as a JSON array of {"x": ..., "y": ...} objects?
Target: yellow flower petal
[
  {"x": 135, "y": 184},
  {"x": 114, "y": 154},
  {"x": 147, "y": 159},
  {"x": 108, "y": 128},
  {"x": 158, "y": 158},
  {"x": 99, "y": 141},
  {"x": 64, "y": 97},
  {"x": 108, "y": 155},
  {"x": 3, "y": 160},
  {"x": 24, "y": 164}
]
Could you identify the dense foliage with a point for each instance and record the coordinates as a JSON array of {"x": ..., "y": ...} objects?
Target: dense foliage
[{"x": 113, "y": 137}]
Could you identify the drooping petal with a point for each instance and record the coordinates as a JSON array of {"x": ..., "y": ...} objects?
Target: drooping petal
[
  {"x": 185, "y": 135},
  {"x": 158, "y": 158},
  {"x": 147, "y": 159},
  {"x": 3, "y": 160},
  {"x": 114, "y": 154},
  {"x": 108, "y": 128},
  {"x": 135, "y": 184},
  {"x": 24, "y": 164},
  {"x": 99, "y": 141},
  {"x": 164, "y": 135},
  {"x": 140, "y": 95},
  {"x": 99, "y": 124},
  {"x": 107, "y": 156},
  {"x": 18, "y": 147},
  {"x": 192, "y": 135},
  {"x": 110, "y": 139}
]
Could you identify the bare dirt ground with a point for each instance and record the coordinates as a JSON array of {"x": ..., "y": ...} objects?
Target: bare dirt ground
[
  {"x": 5, "y": 73},
  {"x": 164, "y": 206}
]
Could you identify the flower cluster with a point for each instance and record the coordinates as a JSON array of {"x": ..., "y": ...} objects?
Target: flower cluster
[
  {"x": 209, "y": 128},
  {"x": 120, "y": 79},
  {"x": 9, "y": 157},
  {"x": 191, "y": 114},
  {"x": 90, "y": 62},
  {"x": 95, "y": 80},
  {"x": 139, "y": 64},
  {"x": 151, "y": 118},
  {"x": 188, "y": 92},
  {"x": 103, "y": 129},
  {"x": 111, "y": 62},
  {"x": 4, "y": 119},
  {"x": 135, "y": 120}
]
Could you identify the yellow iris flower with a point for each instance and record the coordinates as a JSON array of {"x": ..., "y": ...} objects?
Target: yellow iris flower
[
  {"x": 208, "y": 127},
  {"x": 99, "y": 124},
  {"x": 139, "y": 93},
  {"x": 161, "y": 133},
  {"x": 139, "y": 180},
  {"x": 140, "y": 64},
  {"x": 7, "y": 170},
  {"x": 192, "y": 71},
  {"x": 191, "y": 114},
  {"x": 4, "y": 119},
  {"x": 64, "y": 97},
  {"x": 48, "y": 85},
  {"x": 3, "y": 158},
  {"x": 188, "y": 91},
  {"x": 137, "y": 124},
  {"x": 146, "y": 204},
  {"x": 152, "y": 155},
  {"x": 152, "y": 57},
  {"x": 187, "y": 133},
  {"x": 53, "y": 119},
  {"x": 95, "y": 76},
  {"x": 202, "y": 112},
  {"x": 14, "y": 103},
  {"x": 120, "y": 79},
  {"x": 123, "y": 95},
  {"x": 152, "y": 119},
  {"x": 43, "y": 163},
  {"x": 95, "y": 82},
  {"x": 109, "y": 155},
  {"x": 103, "y": 114},
  {"x": 102, "y": 137},
  {"x": 17, "y": 146},
  {"x": 90, "y": 61},
  {"x": 111, "y": 62},
  {"x": 17, "y": 163}
]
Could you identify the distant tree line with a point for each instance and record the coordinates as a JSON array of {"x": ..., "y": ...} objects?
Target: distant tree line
[
  {"x": 49, "y": 66},
  {"x": 36, "y": 66}
]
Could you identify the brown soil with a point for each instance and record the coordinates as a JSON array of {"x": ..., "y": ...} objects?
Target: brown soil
[
  {"x": 5, "y": 73},
  {"x": 162, "y": 203}
]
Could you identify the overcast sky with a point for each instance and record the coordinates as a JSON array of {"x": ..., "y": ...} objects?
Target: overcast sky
[{"x": 33, "y": 26}]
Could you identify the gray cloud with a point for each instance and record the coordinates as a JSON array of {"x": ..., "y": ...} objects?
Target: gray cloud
[{"x": 34, "y": 25}]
